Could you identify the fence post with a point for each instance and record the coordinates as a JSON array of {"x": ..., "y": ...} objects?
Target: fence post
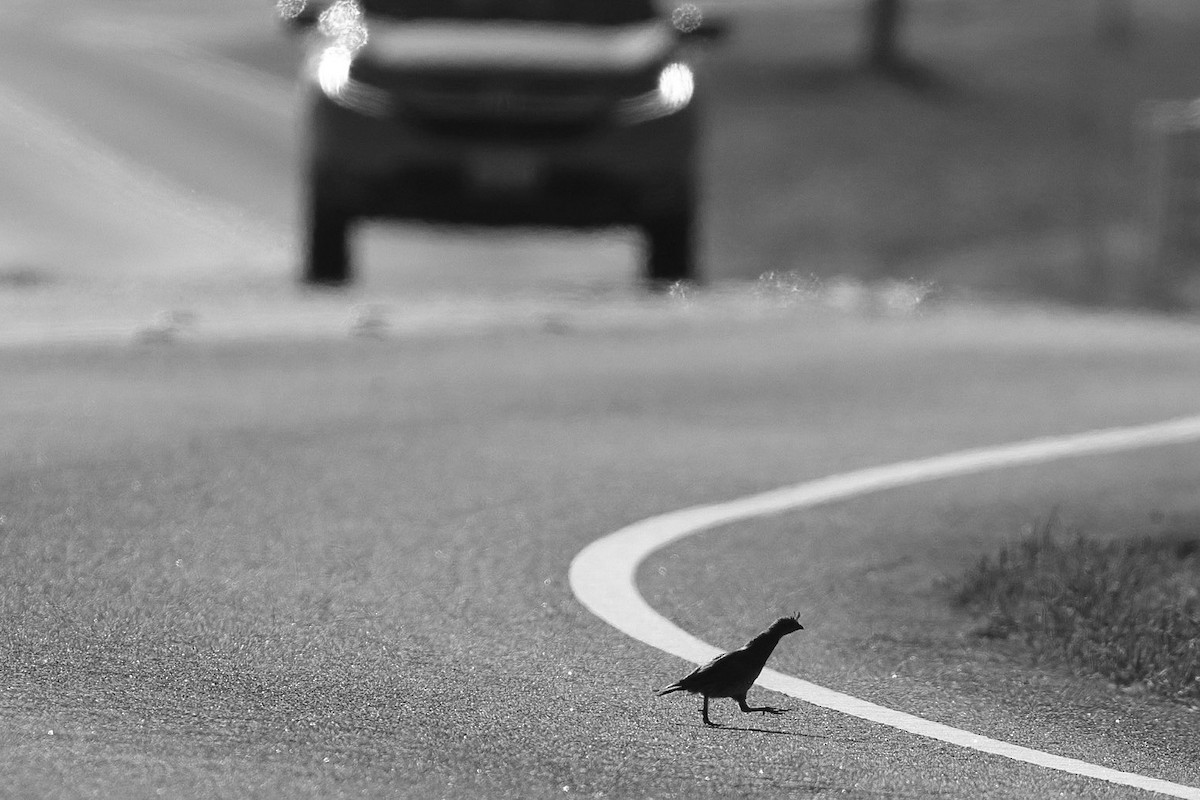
[{"x": 1169, "y": 144}]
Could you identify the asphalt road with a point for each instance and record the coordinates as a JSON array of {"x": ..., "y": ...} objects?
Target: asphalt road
[
  {"x": 339, "y": 567},
  {"x": 243, "y": 557}
]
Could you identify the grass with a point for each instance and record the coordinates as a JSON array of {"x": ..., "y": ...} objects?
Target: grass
[
  {"x": 1016, "y": 170},
  {"x": 1127, "y": 610}
]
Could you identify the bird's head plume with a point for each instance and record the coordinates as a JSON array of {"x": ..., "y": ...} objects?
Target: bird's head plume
[{"x": 786, "y": 625}]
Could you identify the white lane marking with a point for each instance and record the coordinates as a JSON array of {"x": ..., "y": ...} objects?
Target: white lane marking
[
  {"x": 146, "y": 193},
  {"x": 603, "y": 574},
  {"x": 257, "y": 90}
]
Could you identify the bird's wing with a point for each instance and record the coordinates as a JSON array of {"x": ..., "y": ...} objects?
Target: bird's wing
[{"x": 725, "y": 671}]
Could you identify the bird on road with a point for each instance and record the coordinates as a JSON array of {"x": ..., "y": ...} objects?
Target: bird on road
[{"x": 733, "y": 673}]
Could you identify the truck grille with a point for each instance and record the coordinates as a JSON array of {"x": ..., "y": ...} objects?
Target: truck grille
[{"x": 503, "y": 102}]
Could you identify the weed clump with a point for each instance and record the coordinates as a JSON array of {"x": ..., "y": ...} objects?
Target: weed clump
[{"x": 1128, "y": 610}]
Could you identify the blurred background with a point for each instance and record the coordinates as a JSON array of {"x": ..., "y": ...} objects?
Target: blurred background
[{"x": 1019, "y": 149}]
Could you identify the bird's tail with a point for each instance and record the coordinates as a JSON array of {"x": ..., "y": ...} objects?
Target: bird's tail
[{"x": 674, "y": 687}]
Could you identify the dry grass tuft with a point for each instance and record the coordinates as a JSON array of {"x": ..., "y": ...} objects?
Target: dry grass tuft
[{"x": 1128, "y": 610}]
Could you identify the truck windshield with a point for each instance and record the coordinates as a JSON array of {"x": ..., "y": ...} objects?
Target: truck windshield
[{"x": 589, "y": 12}]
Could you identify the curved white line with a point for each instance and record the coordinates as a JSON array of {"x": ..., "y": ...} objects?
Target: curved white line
[{"x": 602, "y": 575}]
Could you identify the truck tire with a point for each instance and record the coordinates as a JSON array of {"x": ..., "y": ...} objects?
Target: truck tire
[
  {"x": 670, "y": 249},
  {"x": 327, "y": 242}
]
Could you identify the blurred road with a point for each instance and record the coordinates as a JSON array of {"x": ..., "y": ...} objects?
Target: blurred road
[
  {"x": 339, "y": 568},
  {"x": 135, "y": 152},
  {"x": 245, "y": 554}
]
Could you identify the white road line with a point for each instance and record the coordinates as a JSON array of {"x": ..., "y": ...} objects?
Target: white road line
[
  {"x": 147, "y": 194},
  {"x": 265, "y": 94},
  {"x": 603, "y": 574}
]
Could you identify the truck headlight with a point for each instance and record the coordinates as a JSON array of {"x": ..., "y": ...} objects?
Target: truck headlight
[
  {"x": 333, "y": 70},
  {"x": 675, "y": 87},
  {"x": 334, "y": 75}
]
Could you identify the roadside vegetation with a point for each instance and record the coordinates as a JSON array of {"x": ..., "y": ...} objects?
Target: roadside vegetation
[
  {"x": 1014, "y": 165},
  {"x": 1127, "y": 610}
]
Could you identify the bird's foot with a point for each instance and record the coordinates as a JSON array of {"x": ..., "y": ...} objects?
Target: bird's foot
[
  {"x": 772, "y": 710},
  {"x": 710, "y": 724}
]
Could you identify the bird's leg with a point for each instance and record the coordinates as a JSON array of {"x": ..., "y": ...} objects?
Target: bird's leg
[
  {"x": 746, "y": 708},
  {"x": 704, "y": 714}
]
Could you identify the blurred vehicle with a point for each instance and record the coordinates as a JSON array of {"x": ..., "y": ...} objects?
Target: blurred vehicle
[{"x": 575, "y": 113}]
